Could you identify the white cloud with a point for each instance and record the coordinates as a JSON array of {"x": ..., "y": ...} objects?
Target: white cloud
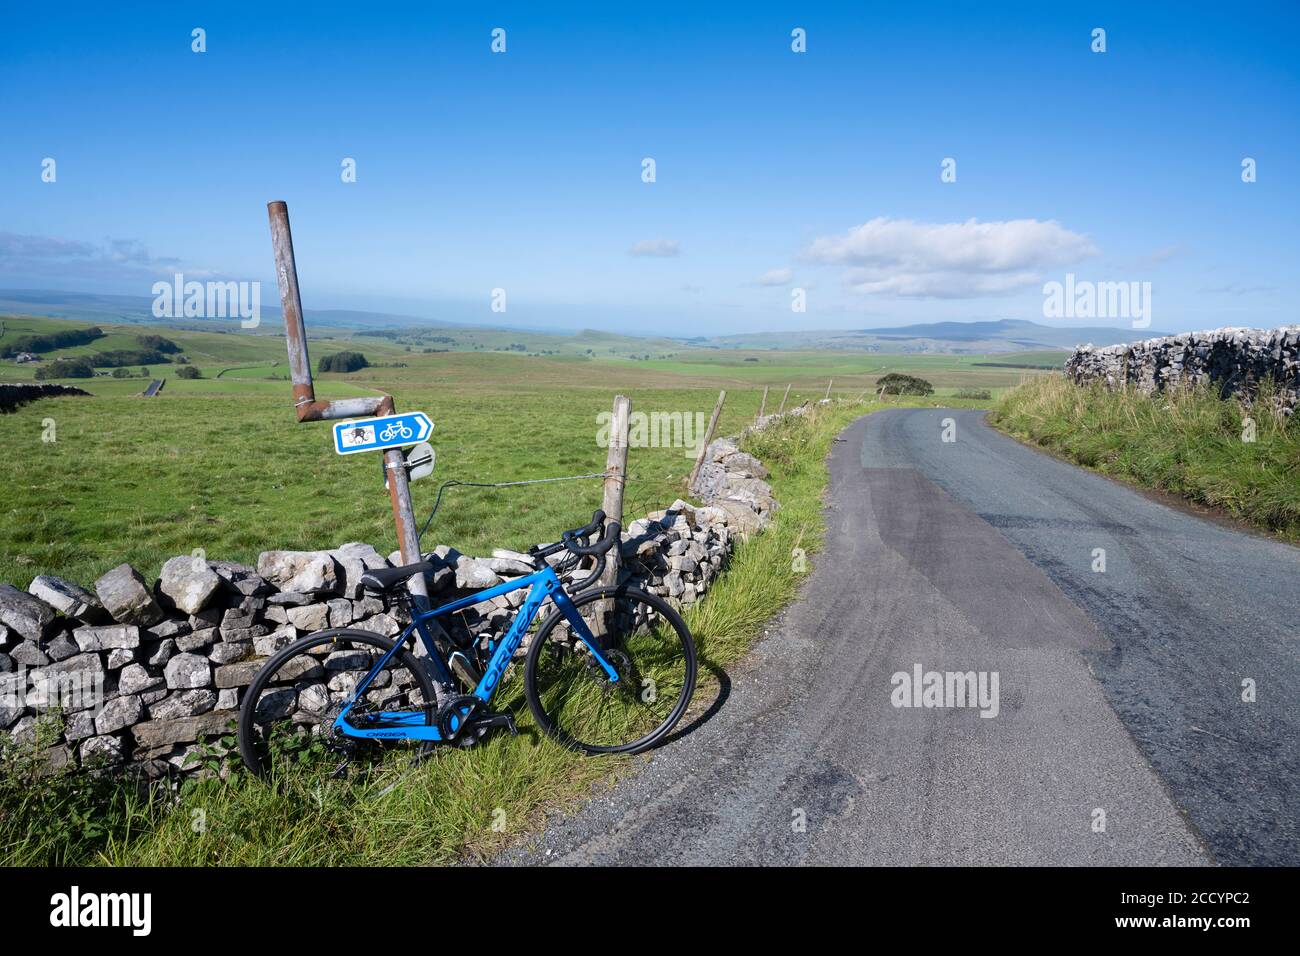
[
  {"x": 775, "y": 277},
  {"x": 126, "y": 251},
  {"x": 28, "y": 256},
  {"x": 15, "y": 246},
  {"x": 661, "y": 248},
  {"x": 1239, "y": 288},
  {"x": 1165, "y": 253},
  {"x": 950, "y": 260}
]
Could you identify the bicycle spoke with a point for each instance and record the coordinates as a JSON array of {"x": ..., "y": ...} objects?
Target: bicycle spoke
[{"x": 578, "y": 700}]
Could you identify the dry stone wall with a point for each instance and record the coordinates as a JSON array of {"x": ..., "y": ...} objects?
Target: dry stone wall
[
  {"x": 140, "y": 672},
  {"x": 12, "y": 396},
  {"x": 1233, "y": 360}
]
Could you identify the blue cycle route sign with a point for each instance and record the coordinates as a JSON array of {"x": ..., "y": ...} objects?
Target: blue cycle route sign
[{"x": 376, "y": 434}]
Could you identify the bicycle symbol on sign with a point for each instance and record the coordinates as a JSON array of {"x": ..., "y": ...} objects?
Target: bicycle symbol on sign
[{"x": 395, "y": 430}]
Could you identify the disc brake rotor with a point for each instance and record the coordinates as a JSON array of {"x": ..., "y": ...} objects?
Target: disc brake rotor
[{"x": 622, "y": 665}]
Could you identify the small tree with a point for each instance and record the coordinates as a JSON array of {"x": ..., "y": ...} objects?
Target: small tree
[
  {"x": 157, "y": 343},
  {"x": 342, "y": 362},
  {"x": 188, "y": 371},
  {"x": 78, "y": 367},
  {"x": 895, "y": 383},
  {"x": 121, "y": 373}
]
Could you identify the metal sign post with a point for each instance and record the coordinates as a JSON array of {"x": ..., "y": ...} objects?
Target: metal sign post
[{"x": 311, "y": 410}]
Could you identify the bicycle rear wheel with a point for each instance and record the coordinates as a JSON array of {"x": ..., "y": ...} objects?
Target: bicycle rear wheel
[
  {"x": 288, "y": 711},
  {"x": 645, "y": 640}
]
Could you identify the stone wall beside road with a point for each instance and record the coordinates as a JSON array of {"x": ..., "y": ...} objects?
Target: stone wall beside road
[{"x": 1234, "y": 361}]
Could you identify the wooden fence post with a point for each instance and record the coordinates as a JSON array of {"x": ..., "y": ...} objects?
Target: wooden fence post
[
  {"x": 762, "y": 407},
  {"x": 615, "y": 479},
  {"x": 704, "y": 445},
  {"x": 828, "y": 389},
  {"x": 783, "y": 398}
]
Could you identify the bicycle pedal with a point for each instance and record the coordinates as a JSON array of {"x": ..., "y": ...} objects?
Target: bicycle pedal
[{"x": 490, "y": 721}]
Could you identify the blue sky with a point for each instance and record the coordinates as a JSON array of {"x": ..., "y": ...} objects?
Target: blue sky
[{"x": 775, "y": 170}]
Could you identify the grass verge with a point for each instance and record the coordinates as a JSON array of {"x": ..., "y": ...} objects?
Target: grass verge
[
  {"x": 1217, "y": 452},
  {"x": 455, "y": 805}
]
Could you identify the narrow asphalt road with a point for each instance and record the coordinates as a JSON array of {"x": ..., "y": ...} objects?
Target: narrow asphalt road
[{"x": 1119, "y": 736}]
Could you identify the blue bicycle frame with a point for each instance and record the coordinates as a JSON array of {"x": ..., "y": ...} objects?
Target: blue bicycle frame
[{"x": 542, "y": 584}]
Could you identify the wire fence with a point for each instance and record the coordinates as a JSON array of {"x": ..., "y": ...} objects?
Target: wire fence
[{"x": 635, "y": 504}]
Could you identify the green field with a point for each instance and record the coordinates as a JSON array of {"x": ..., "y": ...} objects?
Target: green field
[
  {"x": 220, "y": 463},
  {"x": 1026, "y": 360},
  {"x": 594, "y": 357}
]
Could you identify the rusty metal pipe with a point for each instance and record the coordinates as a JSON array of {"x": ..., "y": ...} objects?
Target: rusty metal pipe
[
  {"x": 346, "y": 408},
  {"x": 295, "y": 329},
  {"x": 308, "y": 409}
]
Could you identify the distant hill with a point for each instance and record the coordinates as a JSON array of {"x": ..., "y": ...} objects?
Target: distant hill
[
  {"x": 1028, "y": 335},
  {"x": 224, "y": 347},
  {"x": 1002, "y": 335},
  {"x": 964, "y": 338},
  {"x": 93, "y": 307}
]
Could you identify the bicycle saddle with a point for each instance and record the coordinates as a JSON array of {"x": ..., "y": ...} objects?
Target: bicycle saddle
[{"x": 385, "y": 579}]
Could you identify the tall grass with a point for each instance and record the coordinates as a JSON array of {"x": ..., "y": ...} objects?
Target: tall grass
[
  {"x": 458, "y": 803},
  {"x": 1187, "y": 441}
]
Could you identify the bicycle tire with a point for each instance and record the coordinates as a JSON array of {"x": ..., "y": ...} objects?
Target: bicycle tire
[{"x": 548, "y": 707}]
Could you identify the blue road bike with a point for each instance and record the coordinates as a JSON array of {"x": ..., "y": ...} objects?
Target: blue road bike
[{"x": 607, "y": 670}]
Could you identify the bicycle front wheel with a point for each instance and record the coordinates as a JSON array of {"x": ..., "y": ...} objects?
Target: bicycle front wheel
[{"x": 572, "y": 697}]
